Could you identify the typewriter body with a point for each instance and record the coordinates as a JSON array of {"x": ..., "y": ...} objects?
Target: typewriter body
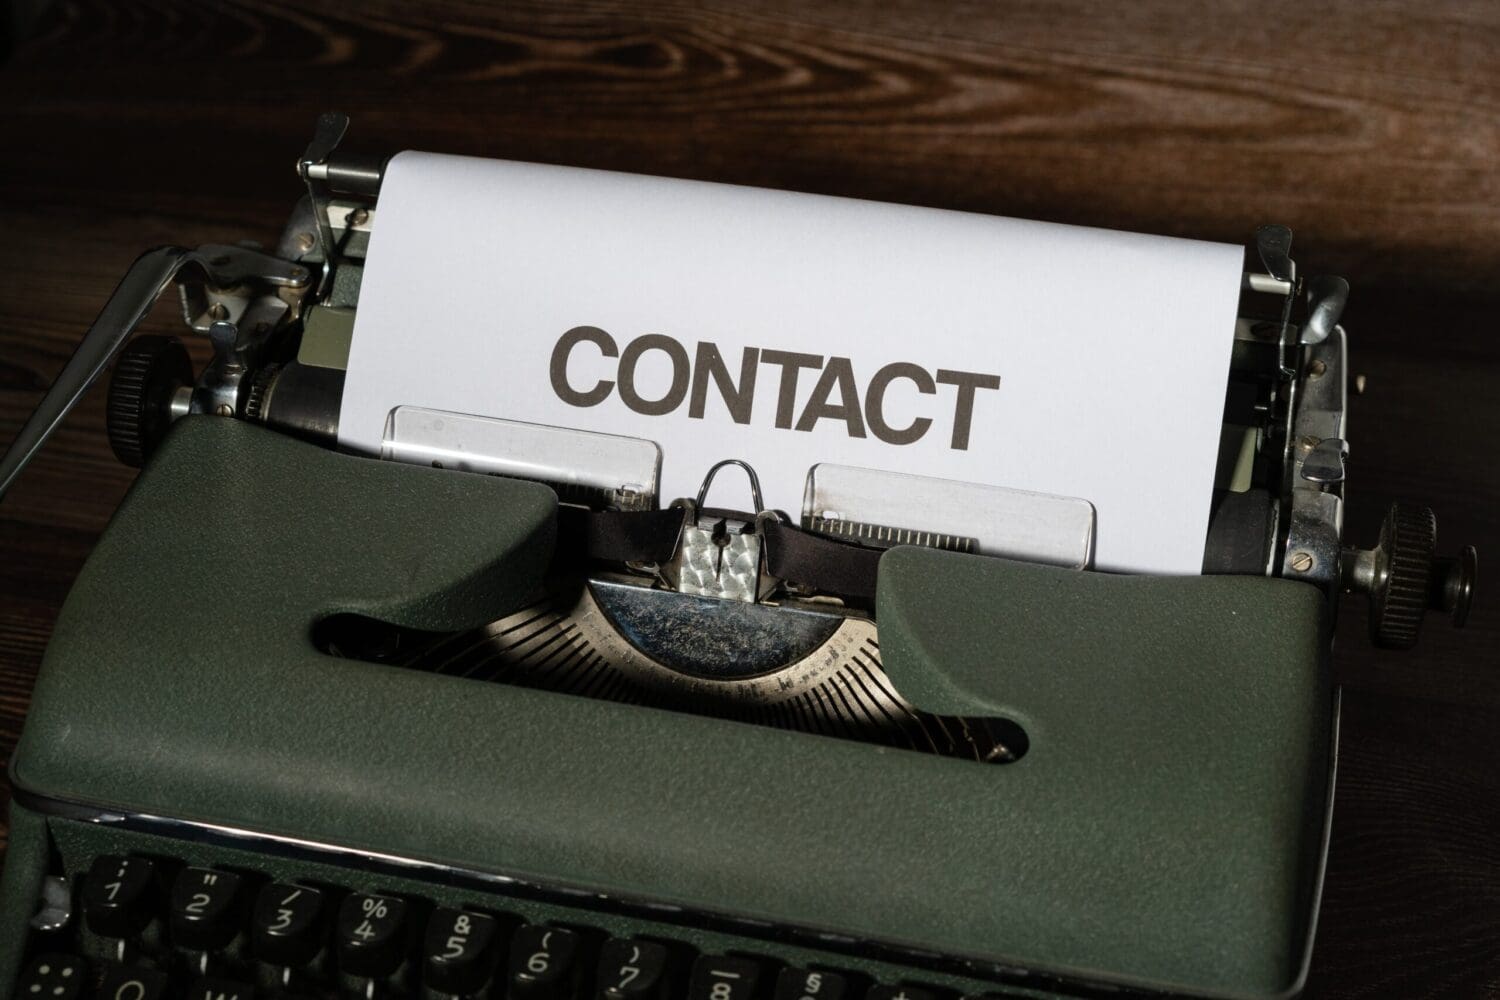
[{"x": 313, "y": 724}]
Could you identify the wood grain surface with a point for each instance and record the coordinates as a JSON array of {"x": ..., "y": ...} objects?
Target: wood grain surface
[{"x": 1371, "y": 128}]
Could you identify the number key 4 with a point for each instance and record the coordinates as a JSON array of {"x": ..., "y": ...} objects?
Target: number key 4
[{"x": 371, "y": 935}]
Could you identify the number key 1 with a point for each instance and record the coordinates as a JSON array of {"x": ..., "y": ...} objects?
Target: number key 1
[
  {"x": 118, "y": 895},
  {"x": 461, "y": 949}
]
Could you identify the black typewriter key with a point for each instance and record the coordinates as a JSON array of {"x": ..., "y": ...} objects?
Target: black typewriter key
[
  {"x": 132, "y": 982},
  {"x": 118, "y": 895},
  {"x": 880, "y": 991},
  {"x": 205, "y": 908},
  {"x": 460, "y": 950},
  {"x": 52, "y": 977},
  {"x": 287, "y": 924},
  {"x": 371, "y": 935},
  {"x": 725, "y": 977},
  {"x": 632, "y": 970},
  {"x": 802, "y": 984},
  {"x": 544, "y": 964},
  {"x": 209, "y": 988}
]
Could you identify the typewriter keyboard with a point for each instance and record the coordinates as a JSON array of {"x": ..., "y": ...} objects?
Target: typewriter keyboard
[{"x": 205, "y": 924}]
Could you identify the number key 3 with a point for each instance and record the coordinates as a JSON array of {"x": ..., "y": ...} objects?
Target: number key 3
[{"x": 287, "y": 926}]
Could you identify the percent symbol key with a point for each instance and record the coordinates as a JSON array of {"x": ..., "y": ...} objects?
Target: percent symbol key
[{"x": 371, "y": 935}]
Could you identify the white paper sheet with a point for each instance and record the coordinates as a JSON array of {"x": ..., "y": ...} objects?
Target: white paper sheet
[{"x": 1111, "y": 350}]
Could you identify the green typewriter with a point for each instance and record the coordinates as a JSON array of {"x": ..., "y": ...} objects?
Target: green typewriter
[{"x": 315, "y": 724}]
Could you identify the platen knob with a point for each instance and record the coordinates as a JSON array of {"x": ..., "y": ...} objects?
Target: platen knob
[
  {"x": 1404, "y": 577},
  {"x": 1408, "y": 546},
  {"x": 149, "y": 373},
  {"x": 1454, "y": 582}
]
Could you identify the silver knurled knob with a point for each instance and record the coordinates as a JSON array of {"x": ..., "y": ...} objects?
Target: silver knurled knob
[{"x": 1404, "y": 577}]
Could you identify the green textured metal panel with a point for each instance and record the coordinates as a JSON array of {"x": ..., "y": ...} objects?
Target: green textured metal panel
[
  {"x": 26, "y": 854},
  {"x": 1179, "y": 733},
  {"x": 1161, "y": 832}
]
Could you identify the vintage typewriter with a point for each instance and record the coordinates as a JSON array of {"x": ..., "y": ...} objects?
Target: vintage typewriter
[{"x": 316, "y": 725}]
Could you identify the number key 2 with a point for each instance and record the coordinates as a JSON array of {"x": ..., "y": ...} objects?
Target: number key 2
[
  {"x": 632, "y": 970},
  {"x": 724, "y": 977},
  {"x": 204, "y": 908},
  {"x": 461, "y": 950}
]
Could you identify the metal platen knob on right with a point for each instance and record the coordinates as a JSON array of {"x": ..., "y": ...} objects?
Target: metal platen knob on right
[{"x": 1405, "y": 578}]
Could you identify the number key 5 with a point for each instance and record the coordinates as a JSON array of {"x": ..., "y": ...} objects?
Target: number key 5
[{"x": 460, "y": 950}]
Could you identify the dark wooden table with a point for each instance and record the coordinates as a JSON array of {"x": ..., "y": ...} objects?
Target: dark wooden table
[{"x": 1373, "y": 130}]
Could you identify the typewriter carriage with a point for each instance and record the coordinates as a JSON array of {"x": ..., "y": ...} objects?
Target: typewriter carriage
[{"x": 280, "y": 324}]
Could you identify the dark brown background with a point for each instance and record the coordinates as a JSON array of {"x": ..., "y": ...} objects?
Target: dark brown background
[{"x": 1372, "y": 129}]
